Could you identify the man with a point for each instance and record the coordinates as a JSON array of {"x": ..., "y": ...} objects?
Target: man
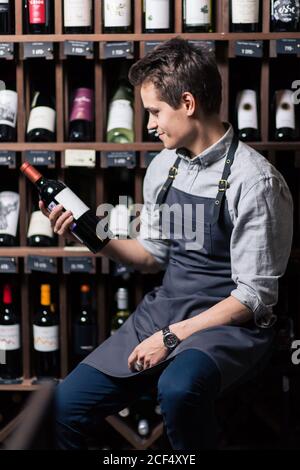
[{"x": 210, "y": 323}]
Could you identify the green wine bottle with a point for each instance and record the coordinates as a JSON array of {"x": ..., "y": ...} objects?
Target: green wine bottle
[{"x": 120, "y": 115}]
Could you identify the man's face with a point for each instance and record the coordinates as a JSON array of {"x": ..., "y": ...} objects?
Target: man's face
[{"x": 174, "y": 126}]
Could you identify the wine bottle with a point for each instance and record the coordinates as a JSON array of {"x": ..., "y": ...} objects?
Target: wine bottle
[
  {"x": 40, "y": 232},
  {"x": 86, "y": 227},
  {"x": 122, "y": 310},
  {"x": 198, "y": 16},
  {"x": 41, "y": 122},
  {"x": 81, "y": 117},
  {"x": 8, "y": 114},
  {"x": 120, "y": 115},
  {"x": 9, "y": 217},
  {"x": 46, "y": 337},
  {"x": 84, "y": 328},
  {"x": 117, "y": 17},
  {"x": 10, "y": 340},
  {"x": 78, "y": 16},
  {"x": 245, "y": 16},
  {"x": 120, "y": 218},
  {"x": 285, "y": 15},
  {"x": 158, "y": 16},
  {"x": 6, "y": 17},
  {"x": 39, "y": 16},
  {"x": 285, "y": 121},
  {"x": 247, "y": 115}
]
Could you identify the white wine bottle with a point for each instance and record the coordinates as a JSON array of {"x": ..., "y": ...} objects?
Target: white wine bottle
[
  {"x": 198, "y": 16},
  {"x": 285, "y": 120},
  {"x": 247, "y": 115},
  {"x": 158, "y": 16},
  {"x": 123, "y": 312},
  {"x": 245, "y": 16},
  {"x": 78, "y": 16},
  {"x": 41, "y": 122},
  {"x": 40, "y": 232},
  {"x": 117, "y": 16},
  {"x": 120, "y": 115}
]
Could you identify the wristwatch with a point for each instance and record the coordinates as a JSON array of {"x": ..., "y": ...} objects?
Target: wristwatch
[{"x": 170, "y": 339}]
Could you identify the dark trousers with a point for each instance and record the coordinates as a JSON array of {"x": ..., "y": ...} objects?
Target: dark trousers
[{"x": 187, "y": 388}]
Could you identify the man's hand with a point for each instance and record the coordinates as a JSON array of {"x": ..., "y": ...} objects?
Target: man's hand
[
  {"x": 60, "y": 220},
  {"x": 149, "y": 352}
]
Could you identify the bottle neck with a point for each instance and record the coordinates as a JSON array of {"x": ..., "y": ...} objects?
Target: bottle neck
[
  {"x": 7, "y": 295},
  {"x": 45, "y": 296}
]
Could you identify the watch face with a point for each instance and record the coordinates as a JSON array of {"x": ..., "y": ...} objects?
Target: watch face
[{"x": 171, "y": 340}]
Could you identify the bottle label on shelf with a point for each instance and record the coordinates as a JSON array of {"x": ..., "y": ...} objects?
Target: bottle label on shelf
[
  {"x": 245, "y": 11},
  {"x": 46, "y": 338},
  {"x": 10, "y": 337},
  {"x": 8, "y": 107},
  {"x": 37, "y": 11},
  {"x": 77, "y": 13},
  {"x": 285, "y": 10},
  {"x": 41, "y": 117},
  {"x": 39, "y": 225},
  {"x": 197, "y": 13},
  {"x": 285, "y": 109},
  {"x": 9, "y": 212},
  {"x": 247, "y": 110},
  {"x": 72, "y": 203},
  {"x": 120, "y": 115},
  {"x": 157, "y": 14},
  {"x": 117, "y": 13},
  {"x": 82, "y": 105}
]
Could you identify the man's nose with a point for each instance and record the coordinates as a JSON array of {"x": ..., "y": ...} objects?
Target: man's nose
[{"x": 151, "y": 123}]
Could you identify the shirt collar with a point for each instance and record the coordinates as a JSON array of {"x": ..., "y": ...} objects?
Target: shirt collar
[{"x": 213, "y": 153}]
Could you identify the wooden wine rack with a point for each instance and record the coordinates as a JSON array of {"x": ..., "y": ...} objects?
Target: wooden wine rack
[{"x": 225, "y": 44}]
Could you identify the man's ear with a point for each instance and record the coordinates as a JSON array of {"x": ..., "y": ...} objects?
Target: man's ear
[{"x": 189, "y": 103}]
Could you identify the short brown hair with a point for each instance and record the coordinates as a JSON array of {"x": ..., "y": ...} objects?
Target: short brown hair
[{"x": 177, "y": 66}]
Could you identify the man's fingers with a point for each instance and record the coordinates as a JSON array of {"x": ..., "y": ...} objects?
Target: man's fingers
[
  {"x": 66, "y": 225},
  {"x": 61, "y": 221},
  {"x": 43, "y": 209}
]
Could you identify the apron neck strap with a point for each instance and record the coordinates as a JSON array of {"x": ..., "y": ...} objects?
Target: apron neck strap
[{"x": 168, "y": 183}]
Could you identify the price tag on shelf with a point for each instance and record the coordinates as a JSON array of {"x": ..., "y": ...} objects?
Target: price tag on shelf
[
  {"x": 38, "y": 49},
  {"x": 80, "y": 157},
  {"x": 7, "y": 50},
  {"x": 148, "y": 157},
  {"x": 118, "y": 159},
  {"x": 116, "y": 50},
  {"x": 8, "y": 265},
  {"x": 150, "y": 45},
  {"x": 209, "y": 45},
  {"x": 43, "y": 264},
  {"x": 78, "y": 265},
  {"x": 288, "y": 46},
  {"x": 249, "y": 48},
  {"x": 79, "y": 48},
  {"x": 8, "y": 158},
  {"x": 41, "y": 157}
]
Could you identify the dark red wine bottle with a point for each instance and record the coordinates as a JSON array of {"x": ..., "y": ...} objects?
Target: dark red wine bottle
[
  {"x": 10, "y": 338},
  {"x": 84, "y": 328},
  {"x": 39, "y": 16},
  {"x": 86, "y": 227},
  {"x": 81, "y": 117}
]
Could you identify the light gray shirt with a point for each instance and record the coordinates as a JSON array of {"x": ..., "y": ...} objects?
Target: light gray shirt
[{"x": 260, "y": 206}]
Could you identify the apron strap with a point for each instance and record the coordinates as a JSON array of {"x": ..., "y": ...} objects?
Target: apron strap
[
  {"x": 168, "y": 183},
  {"x": 223, "y": 183}
]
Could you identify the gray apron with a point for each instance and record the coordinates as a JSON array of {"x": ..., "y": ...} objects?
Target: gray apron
[{"x": 193, "y": 282}]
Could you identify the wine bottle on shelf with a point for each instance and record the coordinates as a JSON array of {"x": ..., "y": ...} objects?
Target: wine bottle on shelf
[
  {"x": 40, "y": 232},
  {"x": 247, "y": 115},
  {"x": 78, "y": 15},
  {"x": 85, "y": 224},
  {"x": 39, "y": 16},
  {"x": 81, "y": 117},
  {"x": 198, "y": 16},
  {"x": 285, "y": 119},
  {"x": 123, "y": 312},
  {"x": 41, "y": 122},
  {"x": 158, "y": 16},
  {"x": 245, "y": 16},
  {"x": 285, "y": 15},
  {"x": 9, "y": 217},
  {"x": 117, "y": 16},
  {"x": 120, "y": 114},
  {"x": 10, "y": 339},
  {"x": 84, "y": 328},
  {"x": 6, "y": 16},
  {"x": 46, "y": 337},
  {"x": 8, "y": 114}
]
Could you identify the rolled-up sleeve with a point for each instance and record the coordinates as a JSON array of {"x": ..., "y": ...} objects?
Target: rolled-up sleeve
[
  {"x": 260, "y": 246},
  {"x": 150, "y": 235}
]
